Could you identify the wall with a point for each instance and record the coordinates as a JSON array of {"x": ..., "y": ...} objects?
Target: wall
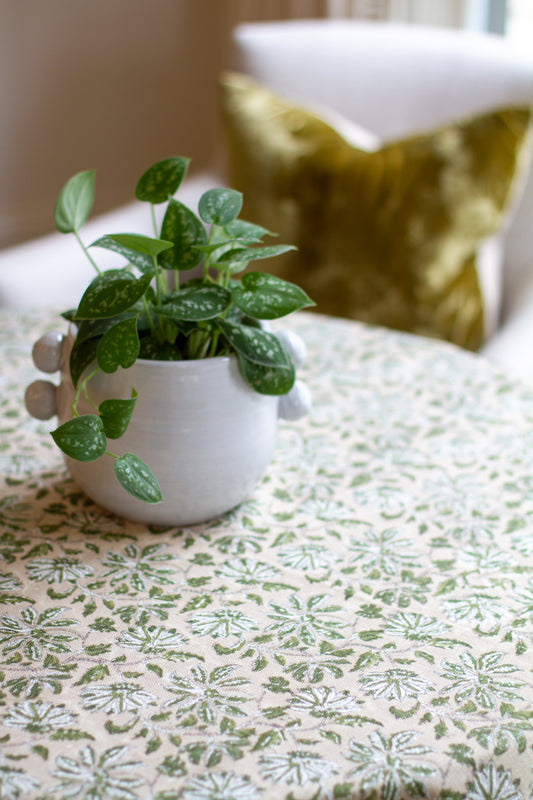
[{"x": 106, "y": 84}]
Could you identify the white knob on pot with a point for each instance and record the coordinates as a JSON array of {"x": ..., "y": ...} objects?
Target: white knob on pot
[
  {"x": 296, "y": 403},
  {"x": 40, "y": 399},
  {"x": 47, "y": 352},
  {"x": 294, "y": 345}
]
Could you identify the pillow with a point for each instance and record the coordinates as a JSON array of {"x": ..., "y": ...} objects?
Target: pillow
[{"x": 389, "y": 236}]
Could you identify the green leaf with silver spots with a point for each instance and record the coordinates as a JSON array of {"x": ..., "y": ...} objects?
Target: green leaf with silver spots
[
  {"x": 265, "y": 296},
  {"x": 119, "y": 346},
  {"x": 140, "y": 260},
  {"x": 131, "y": 243},
  {"x": 161, "y": 180},
  {"x": 220, "y": 206},
  {"x": 82, "y": 355},
  {"x": 116, "y": 415},
  {"x": 196, "y": 304},
  {"x": 82, "y": 438},
  {"x": 273, "y": 380},
  {"x": 243, "y": 256},
  {"x": 241, "y": 229},
  {"x": 90, "y": 328},
  {"x": 111, "y": 293},
  {"x": 185, "y": 231},
  {"x": 254, "y": 344},
  {"x": 137, "y": 478}
]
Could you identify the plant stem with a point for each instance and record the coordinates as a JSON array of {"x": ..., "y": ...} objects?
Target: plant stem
[
  {"x": 147, "y": 309},
  {"x": 214, "y": 343},
  {"x": 207, "y": 258},
  {"x": 154, "y": 223},
  {"x": 157, "y": 279},
  {"x": 85, "y": 250},
  {"x": 83, "y": 388}
]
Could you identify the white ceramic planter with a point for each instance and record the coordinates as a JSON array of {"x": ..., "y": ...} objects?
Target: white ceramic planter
[{"x": 206, "y": 435}]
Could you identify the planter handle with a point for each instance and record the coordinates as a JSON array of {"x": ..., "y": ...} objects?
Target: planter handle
[{"x": 40, "y": 397}]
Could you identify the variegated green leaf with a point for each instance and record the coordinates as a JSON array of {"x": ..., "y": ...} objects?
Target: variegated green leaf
[
  {"x": 116, "y": 414},
  {"x": 220, "y": 206},
  {"x": 119, "y": 346},
  {"x": 82, "y": 438},
  {"x": 265, "y": 296},
  {"x": 254, "y": 344},
  {"x": 274, "y": 380},
  {"x": 111, "y": 293},
  {"x": 142, "y": 261},
  {"x": 133, "y": 243},
  {"x": 161, "y": 180},
  {"x": 82, "y": 355},
  {"x": 196, "y": 303},
  {"x": 137, "y": 478},
  {"x": 185, "y": 231}
]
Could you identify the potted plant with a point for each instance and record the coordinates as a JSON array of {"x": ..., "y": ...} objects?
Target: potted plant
[{"x": 183, "y": 371}]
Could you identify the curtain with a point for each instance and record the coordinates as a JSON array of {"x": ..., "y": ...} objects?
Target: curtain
[
  {"x": 360, "y": 9},
  {"x": 431, "y": 12},
  {"x": 259, "y": 10}
]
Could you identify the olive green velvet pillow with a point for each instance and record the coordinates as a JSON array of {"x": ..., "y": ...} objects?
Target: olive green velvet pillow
[{"x": 389, "y": 237}]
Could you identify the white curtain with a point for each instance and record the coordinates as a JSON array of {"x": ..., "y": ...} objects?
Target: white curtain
[
  {"x": 360, "y": 9},
  {"x": 481, "y": 14}
]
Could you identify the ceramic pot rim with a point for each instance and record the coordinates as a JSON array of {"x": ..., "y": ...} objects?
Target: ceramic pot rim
[
  {"x": 164, "y": 363},
  {"x": 184, "y": 362}
]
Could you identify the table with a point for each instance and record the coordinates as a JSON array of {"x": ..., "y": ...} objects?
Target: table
[{"x": 361, "y": 627}]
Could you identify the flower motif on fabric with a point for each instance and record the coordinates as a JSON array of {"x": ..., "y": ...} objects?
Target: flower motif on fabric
[
  {"x": 220, "y": 786},
  {"x": 223, "y": 623},
  {"x": 208, "y": 694},
  {"x": 395, "y": 684},
  {"x": 93, "y": 776},
  {"x": 394, "y": 765},
  {"x": 297, "y": 767},
  {"x": 57, "y": 570},
  {"x": 481, "y": 680},
  {"x": 115, "y": 698},
  {"x": 307, "y": 620},
  {"x": 492, "y": 783},
  {"x": 33, "y": 633},
  {"x": 139, "y": 566},
  {"x": 37, "y": 716}
]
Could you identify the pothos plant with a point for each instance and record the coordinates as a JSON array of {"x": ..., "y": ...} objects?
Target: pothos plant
[{"x": 145, "y": 308}]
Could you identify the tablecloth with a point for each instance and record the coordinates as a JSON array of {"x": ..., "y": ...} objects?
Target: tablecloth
[{"x": 359, "y": 628}]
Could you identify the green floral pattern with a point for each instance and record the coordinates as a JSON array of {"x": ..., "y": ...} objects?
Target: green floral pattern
[{"x": 360, "y": 627}]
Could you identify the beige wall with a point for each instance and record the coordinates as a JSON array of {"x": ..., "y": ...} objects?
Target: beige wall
[{"x": 106, "y": 84}]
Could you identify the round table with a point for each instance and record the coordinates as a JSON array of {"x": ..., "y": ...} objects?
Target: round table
[{"x": 360, "y": 627}]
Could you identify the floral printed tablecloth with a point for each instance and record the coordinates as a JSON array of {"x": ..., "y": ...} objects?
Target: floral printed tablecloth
[{"x": 360, "y": 628}]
